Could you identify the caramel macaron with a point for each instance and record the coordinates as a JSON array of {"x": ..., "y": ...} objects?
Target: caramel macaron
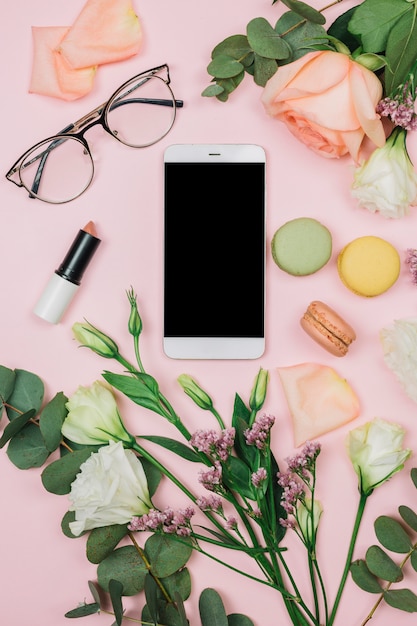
[{"x": 327, "y": 328}]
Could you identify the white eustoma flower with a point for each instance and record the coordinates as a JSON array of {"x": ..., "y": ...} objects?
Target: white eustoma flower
[
  {"x": 375, "y": 450},
  {"x": 93, "y": 417},
  {"x": 110, "y": 488},
  {"x": 399, "y": 343},
  {"x": 387, "y": 181}
]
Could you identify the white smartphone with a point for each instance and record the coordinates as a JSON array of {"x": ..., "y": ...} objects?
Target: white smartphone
[{"x": 214, "y": 251}]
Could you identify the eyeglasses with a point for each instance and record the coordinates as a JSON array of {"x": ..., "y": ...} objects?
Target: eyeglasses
[{"x": 60, "y": 168}]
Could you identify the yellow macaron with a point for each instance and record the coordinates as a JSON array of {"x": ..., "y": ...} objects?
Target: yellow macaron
[{"x": 368, "y": 266}]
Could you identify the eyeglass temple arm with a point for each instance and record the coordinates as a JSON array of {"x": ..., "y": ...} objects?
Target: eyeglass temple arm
[{"x": 73, "y": 128}]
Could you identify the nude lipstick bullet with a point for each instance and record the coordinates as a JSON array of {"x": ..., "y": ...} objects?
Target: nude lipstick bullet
[{"x": 66, "y": 280}]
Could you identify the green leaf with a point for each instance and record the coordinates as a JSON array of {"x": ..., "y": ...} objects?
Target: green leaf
[
  {"x": 340, "y": 30},
  {"x": 141, "y": 389},
  {"x": 413, "y": 474},
  {"x": 27, "y": 448},
  {"x": 237, "y": 47},
  {"x": 413, "y": 560},
  {"x": 126, "y": 566},
  {"x": 301, "y": 37},
  {"x": 264, "y": 69},
  {"x": 229, "y": 85},
  {"x": 167, "y": 554},
  {"x": 15, "y": 426},
  {"x": 211, "y": 609},
  {"x": 305, "y": 10},
  {"x": 116, "y": 592},
  {"x": 392, "y": 535},
  {"x": 373, "y": 21},
  {"x": 83, "y": 610},
  {"x": 212, "y": 90},
  {"x": 237, "y": 476},
  {"x": 153, "y": 475},
  {"x": 248, "y": 454},
  {"x": 174, "y": 446},
  {"x": 65, "y": 522},
  {"x": 151, "y": 595},
  {"x": 237, "y": 619},
  {"x": 223, "y": 66},
  {"x": 403, "y": 599},
  {"x": 27, "y": 394},
  {"x": 102, "y": 541},
  {"x": 94, "y": 591},
  {"x": 401, "y": 51},
  {"x": 265, "y": 41},
  {"x": 381, "y": 565},
  {"x": 364, "y": 578},
  {"x": 408, "y": 516},
  {"x": 58, "y": 476},
  {"x": 179, "y": 582},
  {"x": 51, "y": 420},
  {"x": 276, "y": 499},
  {"x": 7, "y": 380}
]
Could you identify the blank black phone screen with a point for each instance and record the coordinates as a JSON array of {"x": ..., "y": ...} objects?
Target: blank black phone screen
[{"x": 214, "y": 256}]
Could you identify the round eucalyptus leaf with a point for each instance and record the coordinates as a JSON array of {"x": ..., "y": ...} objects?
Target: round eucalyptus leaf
[
  {"x": 306, "y": 11},
  {"x": 364, "y": 578},
  {"x": 102, "y": 541},
  {"x": 237, "y": 619},
  {"x": 265, "y": 41},
  {"x": 237, "y": 47},
  {"x": 403, "y": 599},
  {"x": 58, "y": 476},
  {"x": 392, "y": 535},
  {"x": 300, "y": 37},
  {"x": 7, "y": 380},
  {"x": 408, "y": 516},
  {"x": 27, "y": 449},
  {"x": 381, "y": 565},
  {"x": 126, "y": 566},
  {"x": 211, "y": 608},
  {"x": 179, "y": 582},
  {"x": 51, "y": 420},
  {"x": 264, "y": 69},
  {"x": 229, "y": 85},
  {"x": 15, "y": 426},
  {"x": 224, "y": 66},
  {"x": 153, "y": 475},
  {"x": 212, "y": 90},
  {"x": 65, "y": 522},
  {"x": 27, "y": 393},
  {"x": 167, "y": 553}
]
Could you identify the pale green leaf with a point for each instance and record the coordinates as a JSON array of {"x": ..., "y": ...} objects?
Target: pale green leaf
[
  {"x": 224, "y": 66},
  {"x": 392, "y": 535},
  {"x": 265, "y": 41},
  {"x": 402, "y": 599},
  {"x": 373, "y": 21},
  {"x": 401, "y": 52},
  {"x": 305, "y": 11},
  {"x": 382, "y": 566}
]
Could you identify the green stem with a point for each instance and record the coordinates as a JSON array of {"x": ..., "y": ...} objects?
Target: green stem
[{"x": 359, "y": 514}]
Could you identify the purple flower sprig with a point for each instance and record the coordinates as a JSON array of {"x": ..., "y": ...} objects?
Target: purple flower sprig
[
  {"x": 399, "y": 107},
  {"x": 411, "y": 261}
]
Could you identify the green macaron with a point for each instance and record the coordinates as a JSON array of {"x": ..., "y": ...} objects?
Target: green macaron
[{"x": 301, "y": 246}]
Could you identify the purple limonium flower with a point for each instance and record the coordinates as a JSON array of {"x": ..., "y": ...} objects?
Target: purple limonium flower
[
  {"x": 167, "y": 521},
  {"x": 211, "y": 479},
  {"x": 400, "y": 107},
  {"x": 304, "y": 461},
  {"x": 258, "y": 434},
  {"x": 216, "y": 445},
  {"x": 411, "y": 260},
  {"x": 293, "y": 490},
  {"x": 231, "y": 522},
  {"x": 259, "y": 477},
  {"x": 213, "y": 502}
]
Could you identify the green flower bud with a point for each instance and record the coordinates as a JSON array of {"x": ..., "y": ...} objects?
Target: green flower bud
[
  {"x": 195, "y": 392},
  {"x": 258, "y": 394},
  {"x": 91, "y": 337},
  {"x": 135, "y": 322}
]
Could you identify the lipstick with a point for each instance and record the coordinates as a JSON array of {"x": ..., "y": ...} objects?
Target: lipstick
[{"x": 66, "y": 280}]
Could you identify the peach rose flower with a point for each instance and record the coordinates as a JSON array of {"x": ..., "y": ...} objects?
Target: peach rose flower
[{"x": 328, "y": 102}]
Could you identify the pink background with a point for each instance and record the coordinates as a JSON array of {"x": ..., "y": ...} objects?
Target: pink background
[{"x": 43, "y": 574}]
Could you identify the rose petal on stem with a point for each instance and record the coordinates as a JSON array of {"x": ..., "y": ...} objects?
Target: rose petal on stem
[
  {"x": 105, "y": 31},
  {"x": 51, "y": 75}
]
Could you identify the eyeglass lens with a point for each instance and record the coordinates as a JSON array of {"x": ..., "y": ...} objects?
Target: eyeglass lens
[{"x": 138, "y": 115}]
